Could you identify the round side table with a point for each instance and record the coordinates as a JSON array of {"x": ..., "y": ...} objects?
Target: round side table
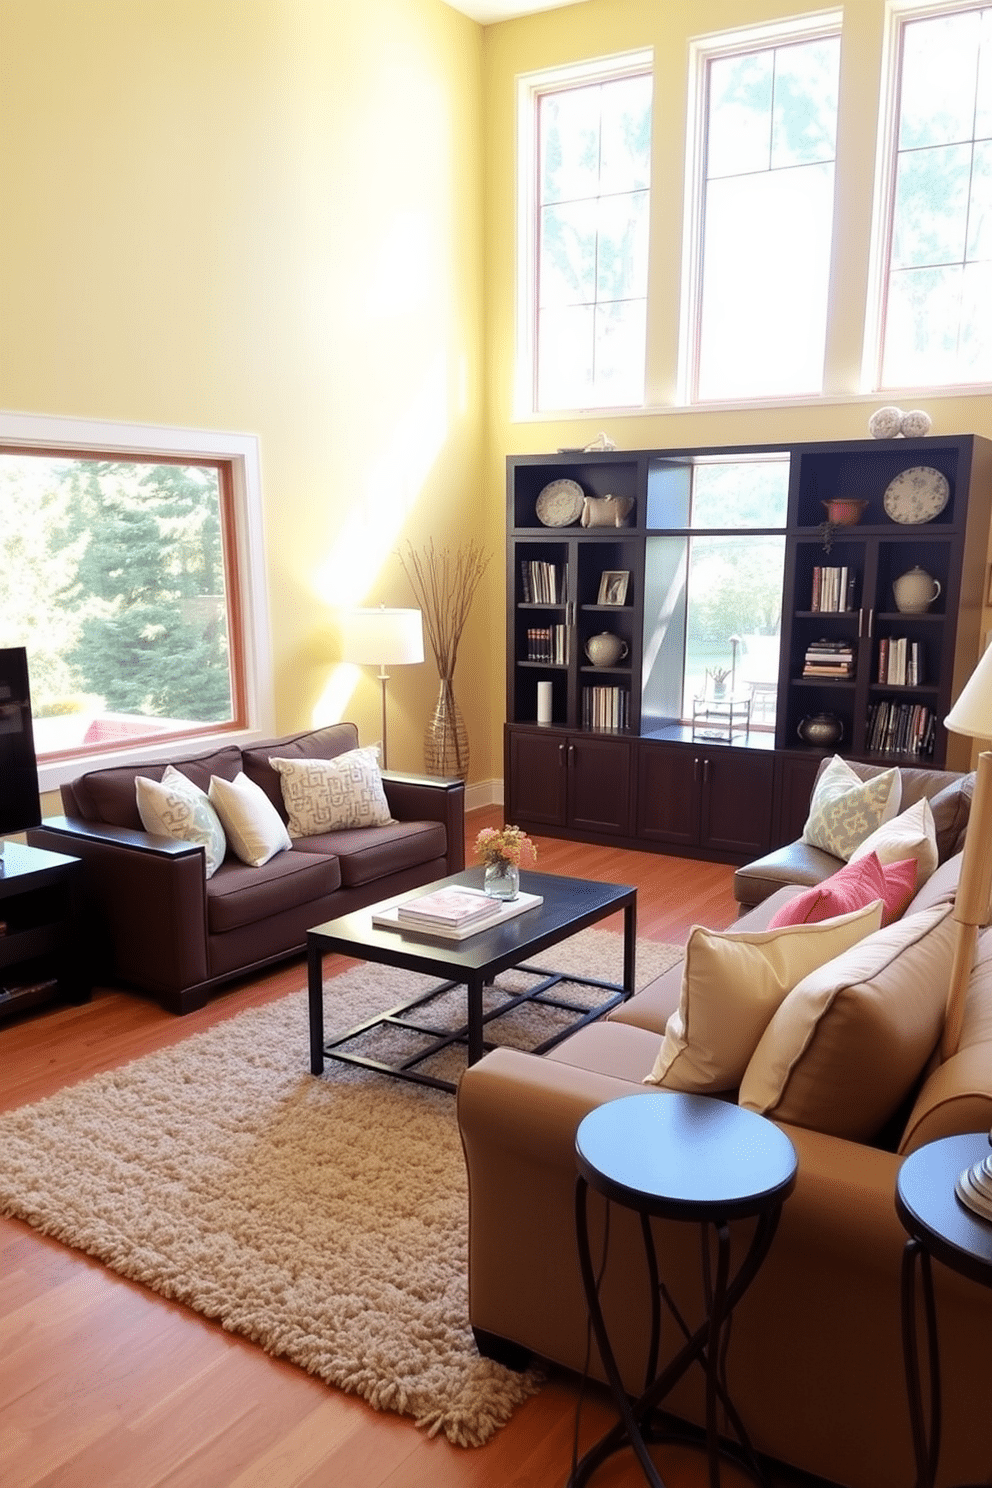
[
  {"x": 667, "y": 1155},
  {"x": 940, "y": 1227}
]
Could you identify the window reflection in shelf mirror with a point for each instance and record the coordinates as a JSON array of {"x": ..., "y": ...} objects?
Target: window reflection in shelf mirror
[{"x": 713, "y": 584}]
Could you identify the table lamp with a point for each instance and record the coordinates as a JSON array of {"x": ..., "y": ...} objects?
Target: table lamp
[
  {"x": 971, "y": 714},
  {"x": 382, "y": 637}
]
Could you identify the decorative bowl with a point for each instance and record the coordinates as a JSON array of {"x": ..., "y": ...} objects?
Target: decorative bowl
[{"x": 844, "y": 511}]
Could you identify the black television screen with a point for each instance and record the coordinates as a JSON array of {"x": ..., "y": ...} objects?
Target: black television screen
[{"x": 20, "y": 802}]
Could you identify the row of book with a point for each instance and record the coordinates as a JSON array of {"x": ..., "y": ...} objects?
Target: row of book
[
  {"x": 548, "y": 643},
  {"x": 829, "y": 659},
  {"x": 833, "y": 589},
  {"x": 900, "y": 728},
  {"x": 900, "y": 662},
  {"x": 543, "y": 583},
  {"x": 606, "y": 707}
]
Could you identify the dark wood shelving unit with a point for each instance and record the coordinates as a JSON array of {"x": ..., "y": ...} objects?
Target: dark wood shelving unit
[{"x": 651, "y": 784}]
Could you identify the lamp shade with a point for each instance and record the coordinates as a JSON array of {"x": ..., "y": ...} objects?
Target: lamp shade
[
  {"x": 972, "y": 713},
  {"x": 382, "y": 637}
]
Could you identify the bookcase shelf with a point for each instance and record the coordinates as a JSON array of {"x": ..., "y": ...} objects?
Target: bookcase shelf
[{"x": 604, "y": 792}]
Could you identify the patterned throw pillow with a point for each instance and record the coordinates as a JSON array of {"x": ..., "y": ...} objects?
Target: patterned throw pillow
[
  {"x": 330, "y": 795},
  {"x": 175, "y": 807},
  {"x": 845, "y": 809}
]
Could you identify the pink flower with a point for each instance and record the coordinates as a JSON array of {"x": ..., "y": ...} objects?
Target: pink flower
[{"x": 505, "y": 845}]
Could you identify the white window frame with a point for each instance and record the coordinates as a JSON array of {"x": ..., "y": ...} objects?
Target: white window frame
[
  {"x": 241, "y": 452},
  {"x": 897, "y": 13},
  {"x": 530, "y": 86},
  {"x": 703, "y": 50}
]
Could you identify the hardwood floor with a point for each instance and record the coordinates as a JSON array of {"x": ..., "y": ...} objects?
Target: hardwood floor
[{"x": 103, "y": 1384}]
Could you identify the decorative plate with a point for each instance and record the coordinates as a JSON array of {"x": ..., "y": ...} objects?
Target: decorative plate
[
  {"x": 917, "y": 495},
  {"x": 560, "y": 504}
]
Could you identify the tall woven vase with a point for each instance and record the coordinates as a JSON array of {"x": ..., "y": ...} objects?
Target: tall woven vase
[{"x": 446, "y": 738}]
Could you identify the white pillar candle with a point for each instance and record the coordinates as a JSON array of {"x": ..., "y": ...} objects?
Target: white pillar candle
[{"x": 544, "y": 702}]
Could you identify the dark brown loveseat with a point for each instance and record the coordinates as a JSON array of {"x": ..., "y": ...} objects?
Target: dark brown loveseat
[{"x": 153, "y": 921}]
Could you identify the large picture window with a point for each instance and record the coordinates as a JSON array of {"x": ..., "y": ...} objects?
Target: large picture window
[
  {"x": 123, "y": 573},
  {"x": 937, "y": 315}
]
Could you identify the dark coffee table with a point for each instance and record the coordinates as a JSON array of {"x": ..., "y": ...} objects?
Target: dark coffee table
[{"x": 570, "y": 905}]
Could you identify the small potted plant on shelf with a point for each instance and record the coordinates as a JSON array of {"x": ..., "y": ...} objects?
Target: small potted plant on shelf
[
  {"x": 718, "y": 676},
  {"x": 504, "y": 850}
]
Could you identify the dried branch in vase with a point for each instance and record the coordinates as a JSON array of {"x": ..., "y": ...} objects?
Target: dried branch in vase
[{"x": 444, "y": 584}]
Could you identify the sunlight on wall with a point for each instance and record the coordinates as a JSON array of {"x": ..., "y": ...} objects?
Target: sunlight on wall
[
  {"x": 393, "y": 485},
  {"x": 370, "y": 532}
]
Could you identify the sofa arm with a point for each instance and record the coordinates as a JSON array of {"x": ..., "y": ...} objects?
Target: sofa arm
[
  {"x": 143, "y": 899},
  {"x": 796, "y": 863},
  {"x": 431, "y": 798},
  {"x": 518, "y": 1115}
]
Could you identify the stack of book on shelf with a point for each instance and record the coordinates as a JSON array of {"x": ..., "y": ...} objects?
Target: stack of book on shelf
[
  {"x": 900, "y": 728},
  {"x": 899, "y": 662},
  {"x": 605, "y": 707},
  {"x": 833, "y": 589},
  {"x": 829, "y": 659},
  {"x": 548, "y": 643},
  {"x": 452, "y": 912},
  {"x": 542, "y": 583}
]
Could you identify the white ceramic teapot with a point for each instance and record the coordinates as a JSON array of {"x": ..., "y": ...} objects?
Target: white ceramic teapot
[
  {"x": 605, "y": 649},
  {"x": 915, "y": 591}
]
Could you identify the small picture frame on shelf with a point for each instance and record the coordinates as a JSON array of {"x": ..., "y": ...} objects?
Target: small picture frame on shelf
[{"x": 613, "y": 587}]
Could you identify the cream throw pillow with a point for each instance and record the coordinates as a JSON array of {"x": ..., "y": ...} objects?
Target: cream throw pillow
[
  {"x": 254, "y": 827},
  {"x": 909, "y": 835},
  {"x": 330, "y": 795},
  {"x": 848, "y": 1043},
  {"x": 732, "y": 983},
  {"x": 844, "y": 809},
  {"x": 176, "y": 807}
]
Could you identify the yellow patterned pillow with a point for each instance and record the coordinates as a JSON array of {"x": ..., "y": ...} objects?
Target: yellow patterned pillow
[{"x": 845, "y": 810}]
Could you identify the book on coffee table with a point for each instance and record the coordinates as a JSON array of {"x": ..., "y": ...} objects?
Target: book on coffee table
[
  {"x": 449, "y": 907},
  {"x": 497, "y": 910}
]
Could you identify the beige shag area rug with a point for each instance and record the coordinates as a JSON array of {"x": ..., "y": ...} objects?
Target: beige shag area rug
[{"x": 325, "y": 1219}]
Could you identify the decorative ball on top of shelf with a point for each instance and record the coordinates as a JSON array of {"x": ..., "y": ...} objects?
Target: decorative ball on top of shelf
[
  {"x": 915, "y": 424},
  {"x": 886, "y": 423}
]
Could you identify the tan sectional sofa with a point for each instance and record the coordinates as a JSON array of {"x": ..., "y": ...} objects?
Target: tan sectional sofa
[
  {"x": 155, "y": 922},
  {"x": 815, "y": 1361}
]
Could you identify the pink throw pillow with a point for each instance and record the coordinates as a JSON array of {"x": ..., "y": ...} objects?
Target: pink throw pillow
[{"x": 852, "y": 887}]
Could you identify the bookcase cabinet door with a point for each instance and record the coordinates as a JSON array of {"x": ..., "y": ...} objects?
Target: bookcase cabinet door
[{"x": 578, "y": 781}]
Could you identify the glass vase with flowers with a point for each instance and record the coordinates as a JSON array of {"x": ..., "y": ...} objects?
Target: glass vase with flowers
[{"x": 504, "y": 850}]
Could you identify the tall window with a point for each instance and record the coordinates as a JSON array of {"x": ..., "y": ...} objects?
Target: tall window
[
  {"x": 758, "y": 282},
  {"x": 937, "y": 317},
  {"x": 134, "y": 581},
  {"x": 593, "y": 155}
]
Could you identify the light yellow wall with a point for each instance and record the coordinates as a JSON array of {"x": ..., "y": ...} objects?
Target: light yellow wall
[
  {"x": 265, "y": 216},
  {"x": 606, "y": 27},
  {"x": 296, "y": 218}
]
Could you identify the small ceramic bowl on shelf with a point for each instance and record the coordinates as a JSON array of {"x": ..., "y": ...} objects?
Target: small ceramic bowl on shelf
[{"x": 844, "y": 511}]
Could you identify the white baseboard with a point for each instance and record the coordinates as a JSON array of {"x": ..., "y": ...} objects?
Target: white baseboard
[{"x": 483, "y": 793}]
